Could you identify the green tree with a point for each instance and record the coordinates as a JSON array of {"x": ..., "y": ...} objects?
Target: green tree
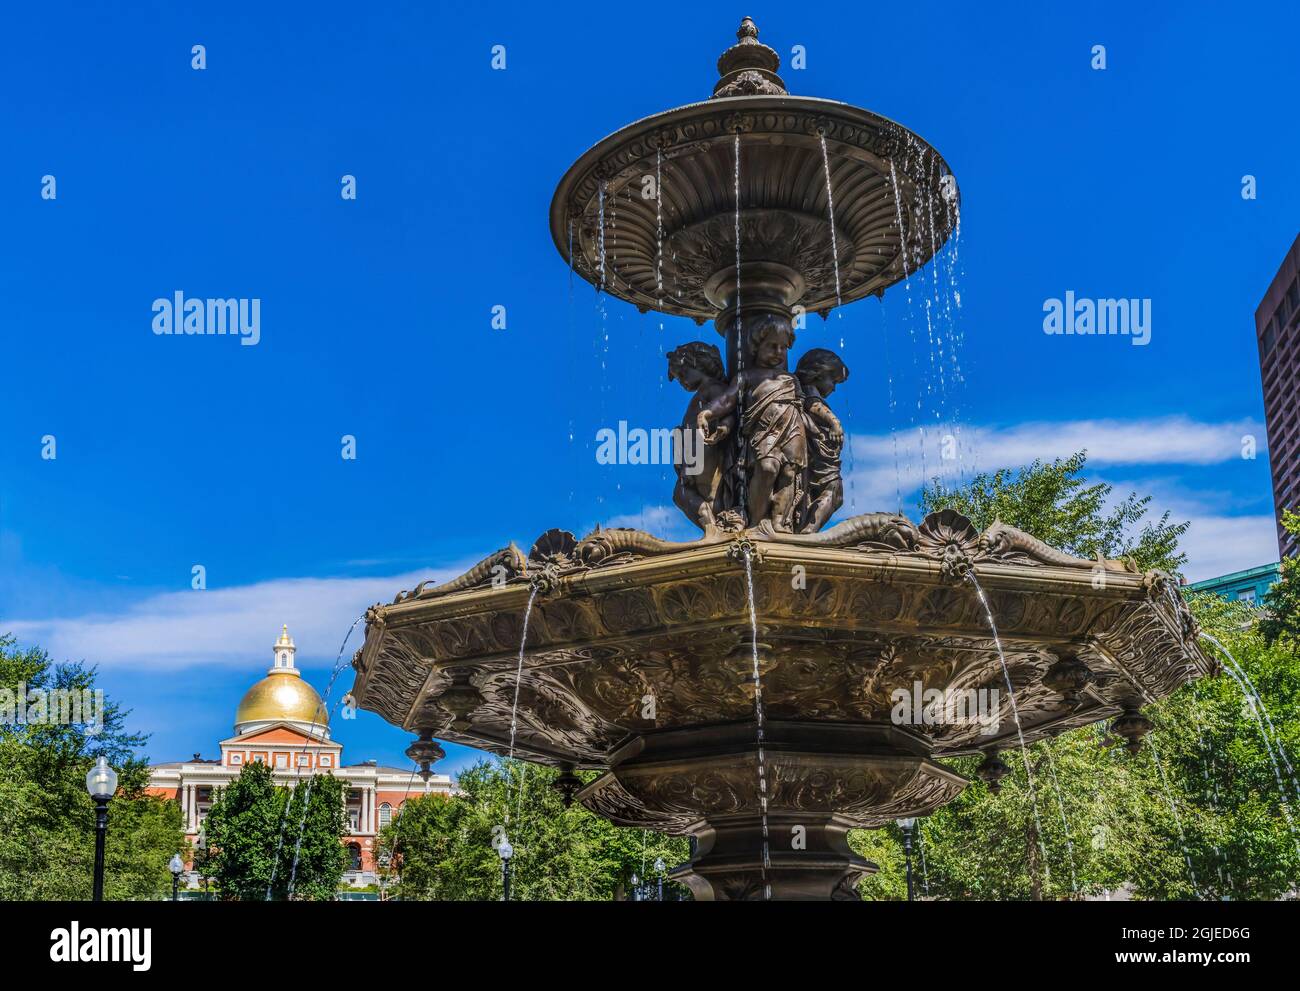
[
  {"x": 260, "y": 841},
  {"x": 312, "y": 855},
  {"x": 47, "y": 839},
  {"x": 1198, "y": 813},
  {"x": 1227, "y": 770},
  {"x": 1281, "y": 620},
  {"x": 445, "y": 847},
  {"x": 1052, "y": 501}
]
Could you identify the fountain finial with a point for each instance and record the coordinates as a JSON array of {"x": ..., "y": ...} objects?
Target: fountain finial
[{"x": 748, "y": 68}]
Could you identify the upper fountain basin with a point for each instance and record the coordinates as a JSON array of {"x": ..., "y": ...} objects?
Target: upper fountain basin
[{"x": 784, "y": 213}]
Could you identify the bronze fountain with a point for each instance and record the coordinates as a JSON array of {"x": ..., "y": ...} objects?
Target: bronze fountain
[{"x": 644, "y": 658}]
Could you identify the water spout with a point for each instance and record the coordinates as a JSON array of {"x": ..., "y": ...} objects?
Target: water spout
[
  {"x": 758, "y": 719},
  {"x": 830, "y": 212},
  {"x": 1015, "y": 711},
  {"x": 302, "y": 825}
]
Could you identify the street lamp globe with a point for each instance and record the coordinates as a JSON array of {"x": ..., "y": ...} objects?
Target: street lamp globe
[
  {"x": 504, "y": 850},
  {"x": 176, "y": 865},
  {"x": 906, "y": 823},
  {"x": 101, "y": 781}
]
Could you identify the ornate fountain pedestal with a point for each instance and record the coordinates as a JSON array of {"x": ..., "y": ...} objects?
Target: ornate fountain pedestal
[
  {"x": 766, "y": 720},
  {"x": 823, "y": 779}
]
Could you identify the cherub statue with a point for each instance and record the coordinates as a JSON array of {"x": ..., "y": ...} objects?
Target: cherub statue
[
  {"x": 819, "y": 372},
  {"x": 703, "y": 489},
  {"x": 771, "y": 422}
]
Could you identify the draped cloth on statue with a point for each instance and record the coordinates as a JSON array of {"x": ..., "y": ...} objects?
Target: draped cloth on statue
[{"x": 774, "y": 421}]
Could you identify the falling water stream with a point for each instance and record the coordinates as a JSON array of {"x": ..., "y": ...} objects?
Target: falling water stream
[
  {"x": 1257, "y": 707},
  {"x": 830, "y": 212},
  {"x": 1262, "y": 720},
  {"x": 514, "y": 707},
  {"x": 920, "y": 848},
  {"x": 1060, "y": 804},
  {"x": 1173, "y": 809},
  {"x": 1015, "y": 714},
  {"x": 302, "y": 825},
  {"x": 758, "y": 720},
  {"x": 740, "y": 346},
  {"x": 659, "y": 229},
  {"x": 600, "y": 233},
  {"x": 907, "y": 288}
]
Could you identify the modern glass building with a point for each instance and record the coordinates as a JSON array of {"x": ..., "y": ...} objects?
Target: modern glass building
[{"x": 1277, "y": 328}]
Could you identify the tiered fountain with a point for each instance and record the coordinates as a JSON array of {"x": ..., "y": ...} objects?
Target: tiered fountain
[{"x": 741, "y": 688}]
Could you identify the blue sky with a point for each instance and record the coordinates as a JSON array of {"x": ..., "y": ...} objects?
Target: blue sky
[{"x": 375, "y": 313}]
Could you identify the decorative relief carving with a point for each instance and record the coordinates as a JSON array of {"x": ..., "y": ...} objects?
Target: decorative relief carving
[
  {"x": 866, "y": 791},
  {"x": 878, "y": 614}
]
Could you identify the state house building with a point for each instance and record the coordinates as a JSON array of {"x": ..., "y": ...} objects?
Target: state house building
[{"x": 282, "y": 722}]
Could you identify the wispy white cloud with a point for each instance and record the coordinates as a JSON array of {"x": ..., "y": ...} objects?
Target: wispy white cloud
[
  {"x": 1220, "y": 545},
  {"x": 661, "y": 520},
  {"x": 885, "y": 466},
  {"x": 231, "y": 627}
]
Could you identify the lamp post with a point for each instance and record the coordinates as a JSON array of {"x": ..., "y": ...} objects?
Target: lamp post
[
  {"x": 660, "y": 867},
  {"x": 384, "y": 860},
  {"x": 101, "y": 783},
  {"x": 176, "y": 866},
  {"x": 505, "y": 851},
  {"x": 201, "y": 859},
  {"x": 636, "y": 888},
  {"x": 907, "y": 825}
]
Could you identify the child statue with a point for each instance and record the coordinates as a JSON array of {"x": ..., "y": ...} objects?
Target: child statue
[
  {"x": 819, "y": 372},
  {"x": 703, "y": 490},
  {"x": 771, "y": 423}
]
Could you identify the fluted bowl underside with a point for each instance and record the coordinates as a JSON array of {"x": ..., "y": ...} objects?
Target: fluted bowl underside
[{"x": 649, "y": 213}]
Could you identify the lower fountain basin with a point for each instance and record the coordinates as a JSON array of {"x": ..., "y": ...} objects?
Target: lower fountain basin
[{"x": 876, "y": 657}]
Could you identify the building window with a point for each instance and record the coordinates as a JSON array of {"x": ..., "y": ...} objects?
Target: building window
[
  {"x": 236, "y": 758},
  {"x": 281, "y": 760},
  {"x": 326, "y": 760},
  {"x": 354, "y": 857},
  {"x": 385, "y": 815},
  {"x": 259, "y": 758},
  {"x": 304, "y": 760},
  {"x": 1247, "y": 596},
  {"x": 354, "y": 819}
]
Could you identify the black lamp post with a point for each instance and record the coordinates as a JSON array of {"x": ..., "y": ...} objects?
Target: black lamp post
[
  {"x": 176, "y": 866},
  {"x": 384, "y": 860},
  {"x": 505, "y": 851},
  {"x": 101, "y": 783},
  {"x": 907, "y": 825},
  {"x": 660, "y": 867}
]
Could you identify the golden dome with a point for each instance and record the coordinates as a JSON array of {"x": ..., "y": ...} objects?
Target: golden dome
[{"x": 282, "y": 695}]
